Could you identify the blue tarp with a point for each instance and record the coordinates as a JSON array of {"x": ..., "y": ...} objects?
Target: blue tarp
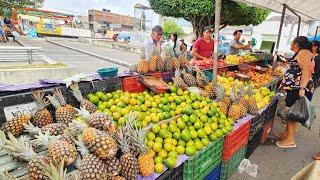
[{"x": 311, "y": 38}]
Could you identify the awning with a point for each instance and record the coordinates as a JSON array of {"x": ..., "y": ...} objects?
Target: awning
[{"x": 307, "y": 9}]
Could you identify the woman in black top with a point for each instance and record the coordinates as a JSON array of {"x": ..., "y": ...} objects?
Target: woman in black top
[{"x": 316, "y": 59}]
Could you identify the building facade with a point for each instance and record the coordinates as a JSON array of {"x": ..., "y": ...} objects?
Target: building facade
[{"x": 101, "y": 21}]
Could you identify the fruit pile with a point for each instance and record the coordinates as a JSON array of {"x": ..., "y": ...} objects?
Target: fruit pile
[
  {"x": 260, "y": 79},
  {"x": 114, "y": 135},
  {"x": 235, "y": 59}
]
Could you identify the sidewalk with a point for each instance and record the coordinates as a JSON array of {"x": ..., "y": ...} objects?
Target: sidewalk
[{"x": 278, "y": 164}]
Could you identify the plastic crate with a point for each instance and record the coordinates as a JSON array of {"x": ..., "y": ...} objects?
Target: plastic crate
[
  {"x": 86, "y": 87},
  {"x": 257, "y": 123},
  {"x": 253, "y": 144},
  {"x": 132, "y": 84},
  {"x": 215, "y": 174},
  {"x": 235, "y": 140},
  {"x": 266, "y": 131},
  {"x": 172, "y": 174},
  {"x": 271, "y": 110},
  {"x": 167, "y": 76},
  {"x": 228, "y": 168},
  {"x": 201, "y": 164}
]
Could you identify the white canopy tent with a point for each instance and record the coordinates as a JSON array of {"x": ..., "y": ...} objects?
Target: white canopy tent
[{"x": 303, "y": 9}]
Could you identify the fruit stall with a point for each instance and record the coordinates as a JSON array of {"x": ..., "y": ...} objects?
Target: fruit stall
[{"x": 162, "y": 120}]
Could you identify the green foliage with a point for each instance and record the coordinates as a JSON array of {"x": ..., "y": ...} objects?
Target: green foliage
[
  {"x": 18, "y": 4},
  {"x": 201, "y": 13},
  {"x": 170, "y": 26}
]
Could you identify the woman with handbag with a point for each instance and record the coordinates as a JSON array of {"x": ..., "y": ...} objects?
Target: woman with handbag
[{"x": 297, "y": 82}]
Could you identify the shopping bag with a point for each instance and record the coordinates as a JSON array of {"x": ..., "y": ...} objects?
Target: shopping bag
[
  {"x": 311, "y": 114},
  {"x": 299, "y": 111}
]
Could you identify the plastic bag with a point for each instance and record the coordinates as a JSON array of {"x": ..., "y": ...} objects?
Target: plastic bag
[
  {"x": 311, "y": 114},
  {"x": 299, "y": 111}
]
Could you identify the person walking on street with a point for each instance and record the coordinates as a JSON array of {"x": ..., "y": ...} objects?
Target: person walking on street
[
  {"x": 297, "y": 82},
  {"x": 316, "y": 61},
  {"x": 174, "y": 44},
  {"x": 2, "y": 32}
]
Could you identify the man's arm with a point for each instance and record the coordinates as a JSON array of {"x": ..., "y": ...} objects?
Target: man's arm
[
  {"x": 238, "y": 46},
  {"x": 197, "y": 55}
]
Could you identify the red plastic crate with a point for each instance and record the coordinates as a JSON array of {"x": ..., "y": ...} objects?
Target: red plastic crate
[
  {"x": 166, "y": 76},
  {"x": 235, "y": 140},
  {"x": 132, "y": 84},
  {"x": 266, "y": 131}
]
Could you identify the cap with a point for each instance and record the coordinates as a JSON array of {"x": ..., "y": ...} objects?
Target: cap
[
  {"x": 181, "y": 39},
  {"x": 208, "y": 29},
  {"x": 158, "y": 29}
]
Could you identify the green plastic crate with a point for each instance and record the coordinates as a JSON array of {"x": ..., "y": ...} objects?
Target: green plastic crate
[
  {"x": 231, "y": 166},
  {"x": 201, "y": 164}
]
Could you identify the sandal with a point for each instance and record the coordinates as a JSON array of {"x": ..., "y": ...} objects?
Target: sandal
[
  {"x": 280, "y": 145},
  {"x": 278, "y": 135},
  {"x": 316, "y": 156}
]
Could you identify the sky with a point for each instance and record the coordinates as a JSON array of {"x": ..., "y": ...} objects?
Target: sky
[{"x": 81, "y": 7}]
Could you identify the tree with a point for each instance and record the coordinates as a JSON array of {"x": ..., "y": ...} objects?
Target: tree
[
  {"x": 201, "y": 13},
  {"x": 19, "y": 4},
  {"x": 170, "y": 26}
]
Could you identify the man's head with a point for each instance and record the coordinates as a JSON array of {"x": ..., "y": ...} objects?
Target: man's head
[
  {"x": 207, "y": 32},
  {"x": 237, "y": 34},
  {"x": 156, "y": 34}
]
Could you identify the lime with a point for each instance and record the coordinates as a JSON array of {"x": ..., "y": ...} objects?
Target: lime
[
  {"x": 159, "y": 168},
  {"x": 94, "y": 99},
  {"x": 205, "y": 141},
  {"x": 173, "y": 154},
  {"x": 213, "y": 136},
  {"x": 207, "y": 130},
  {"x": 190, "y": 143},
  {"x": 150, "y": 144},
  {"x": 180, "y": 149},
  {"x": 193, "y": 134},
  {"x": 191, "y": 150},
  {"x": 201, "y": 133},
  {"x": 185, "y": 135},
  {"x": 181, "y": 143},
  {"x": 158, "y": 140},
  {"x": 198, "y": 145},
  {"x": 158, "y": 159},
  {"x": 168, "y": 147},
  {"x": 163, "y": 154},
  {"x": 163, "y": 133},
  {"x": 214, "y": 126},
  {"x": 176, "y": 135},
  {"x": 219, "y": 133},
  {"x": 116, "y": 115},
  {"x": 171, "y": 163},
  {"x": 172, "y": 128},
  {"x": 181, "y": 124},
  {"x": 102, "y": 107},
  {"x": 193, "y": 118},
  {"x": 155, "y": 129},
  {"x": 151, "y": 136},
  {"x": 198, "y": 125},
  {"x": 157, "y": 147}
]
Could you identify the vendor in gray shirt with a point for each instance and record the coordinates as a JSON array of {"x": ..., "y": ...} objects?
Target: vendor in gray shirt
[
  {"x": 236, "y": 45},
  {"x": 153, "y": 43}
]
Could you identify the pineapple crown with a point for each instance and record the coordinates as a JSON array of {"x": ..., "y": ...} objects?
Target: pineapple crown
[
  {"x": 30, "y": 128},
  {"x": 55, "y": 170},
  {"x": 81, "y": 147},
  {"x": 20, "y": 148},
  {"x": 177, "y": 73},
  {"x": 76, "y": 91},
  {"x": 83, "y": 112},
  {"x": 54, "y": 101},
  {"x": 42, "y": 140},
  {"x": 74, "y": 128},
  {"x": 234, "y": 95},
  {"x": 122, "y": 139},
  {"x": 242, "y": 91},
  {"x": 5, "y": 175},
  {"x": 58, "y": 94},
  {"x": 250, "y": 90},
  {"x": 219, "y": 92},
  {"x": 38, "y": 96}
]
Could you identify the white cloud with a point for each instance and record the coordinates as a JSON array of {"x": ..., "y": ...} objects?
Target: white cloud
[{"x": 82, "y": 6}]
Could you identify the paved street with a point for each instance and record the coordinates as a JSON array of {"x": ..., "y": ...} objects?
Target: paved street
[
  {"x": 83, "y": 62},
  {"x": 278, "y": 164}
]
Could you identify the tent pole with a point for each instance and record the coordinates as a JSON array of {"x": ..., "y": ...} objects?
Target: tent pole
[
  {"x": 315, "y": 35},
  {"x": 216, "y": 39},
  {"x": 278, "y": 39},
  {"x": 299, "y": 24}
]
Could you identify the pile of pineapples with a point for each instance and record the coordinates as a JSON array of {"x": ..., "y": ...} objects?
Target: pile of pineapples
[
  {"x": 156, "y": 63},
  {"x": 97, "y": 148},
  {"x": 238, "y": 104}
]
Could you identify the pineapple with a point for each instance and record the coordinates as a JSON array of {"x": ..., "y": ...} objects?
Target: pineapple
[
  {"x": 118, "y": 178},
  {"x": 153, "y": 61},
  {"x": 69, "y": 109},
  {"x": 181, "y": 61},
  {"x": 62, "y": 151},
  {"x": 113, "y": 166},
  {"x": 54, "y": 129},
  {"x": 243, "y": 102},
  {"x": 211, "y": 90},
  {"x": 221, "y": 104},
  {"x": 201, "y": 80},
  {"x": 168, "y": 63},
  {"x": 42, "y": 116},
  {"x": 176, "y": 64},
  {"x": 83, "y": 102},
  {"x": 72, "y": 131},
  {"x": 98, "y": 120},
  {"x": 143, "y": 66},
  {"x": 178, "y": 81},
  {"x": 235, "y": 109},
  {"x": 133, "y": 68},
  {"x": 137, "y": 137},
  {"x": 55, "y": 171},
  {"x": 128, "y": 161},
  {"x": 15, "y": 126},
  {"x": 22, "y": 149},
  {"x": 99, "y": 143},
  {"x": 189, "y": 79},
  {"x": 92, "y": 168},
  {"x": 252, "y": 104},
  {"x": 161, "y": 64}
]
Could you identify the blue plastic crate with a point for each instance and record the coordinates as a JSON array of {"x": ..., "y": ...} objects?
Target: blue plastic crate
[{"x": 215, "y": 174}]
